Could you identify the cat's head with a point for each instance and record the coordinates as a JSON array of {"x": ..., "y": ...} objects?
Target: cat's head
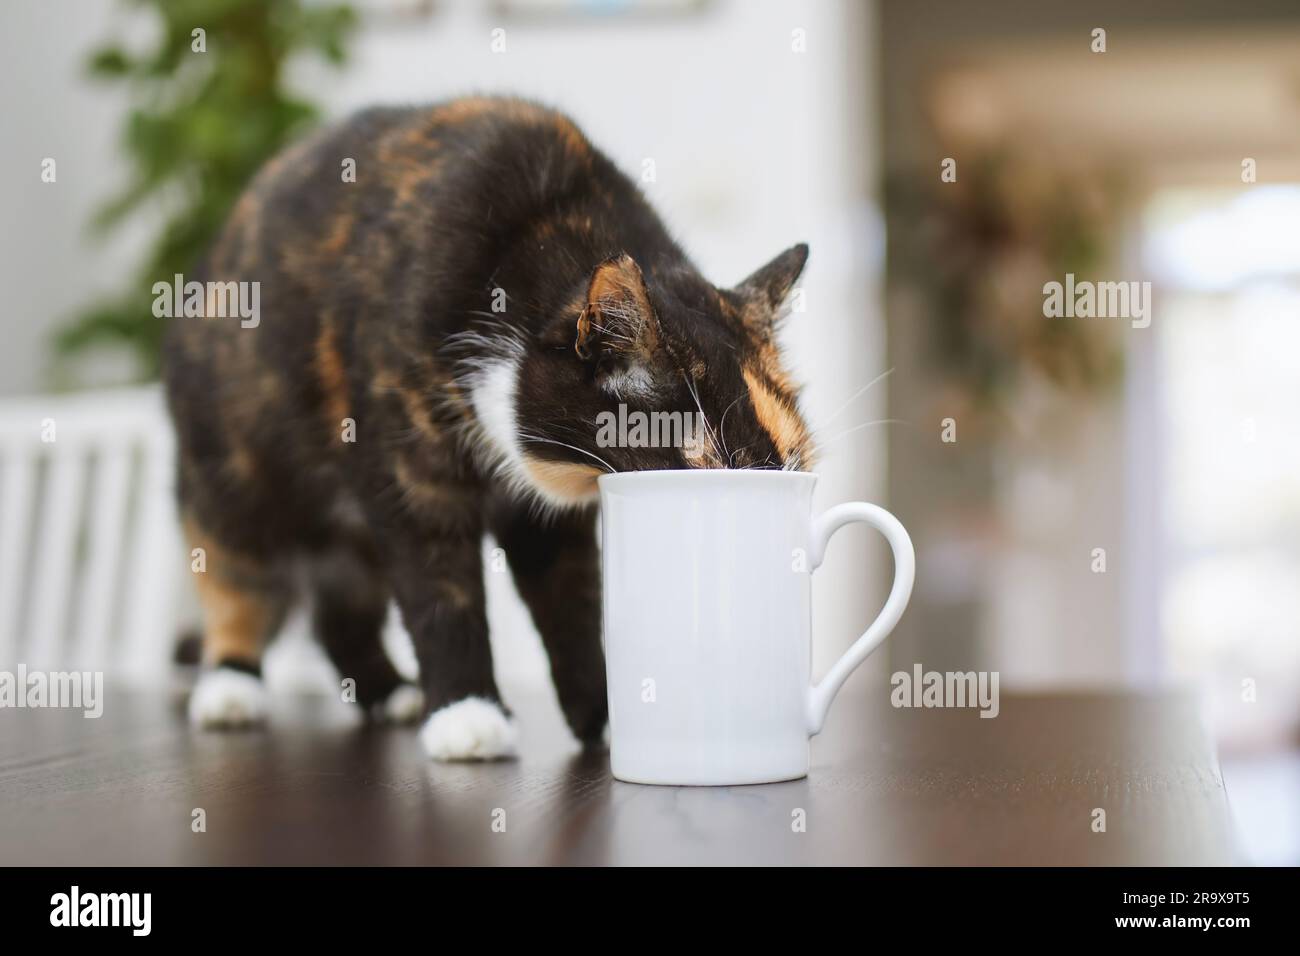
[{"x": 648, "y": 370}]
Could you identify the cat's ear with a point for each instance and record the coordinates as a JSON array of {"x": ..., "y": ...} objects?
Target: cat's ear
[
  {"x": 618, "y": 317},
  {"x": 765, "y": 292}
]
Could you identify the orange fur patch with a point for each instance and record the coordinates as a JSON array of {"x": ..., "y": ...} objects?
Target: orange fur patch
[
  {"x": 333, "y": 378},
  {"x": 465, "y": 108},
  {"x": 336, "y": 240},
  {"x": 574, "y": 142},
  {"x": 778, "y": 417},
  {"x": 564, "y": 480},
  {"x": 237, "y": 621}
]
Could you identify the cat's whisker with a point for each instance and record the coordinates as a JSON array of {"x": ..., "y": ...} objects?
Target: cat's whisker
[
  {"x": 528, "y": 437},
  {"x": 612, "y": 335},
  {"x": 852, "y": 398},
  {"x": 858, "y": 428},
  {"x": 713, "y": 438},
  {"x": 731, "y": 461},
  {"x": 722, "y": 427}
]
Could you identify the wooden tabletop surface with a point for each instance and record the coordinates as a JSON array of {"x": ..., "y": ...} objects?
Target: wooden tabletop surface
[{"x": 887, "y": 787}]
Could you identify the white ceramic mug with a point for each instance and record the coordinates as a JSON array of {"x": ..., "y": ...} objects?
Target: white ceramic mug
[{"x": 708, "y": 640}]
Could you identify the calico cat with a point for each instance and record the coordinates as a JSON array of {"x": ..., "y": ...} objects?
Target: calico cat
[{"x": 436, "y": 340}]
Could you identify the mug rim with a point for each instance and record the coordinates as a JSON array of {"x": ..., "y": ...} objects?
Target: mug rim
[{"x": 650, "y": 476}]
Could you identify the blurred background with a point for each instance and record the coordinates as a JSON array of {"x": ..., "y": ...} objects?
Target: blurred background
[{"x": 1093, "y": 504}]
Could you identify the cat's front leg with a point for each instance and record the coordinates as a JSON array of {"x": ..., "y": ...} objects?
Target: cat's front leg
[
  {"x": 556, "y": 566},
  {"x": 437, "y": 577}
]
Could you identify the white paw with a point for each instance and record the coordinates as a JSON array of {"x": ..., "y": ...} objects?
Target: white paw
[
  {"x": 226, "y": 698},
  {"x": 470, "y": 729},
  {"x": 403, "y": 706}
]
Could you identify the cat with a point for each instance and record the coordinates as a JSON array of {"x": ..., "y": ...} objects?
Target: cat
[{"x": 450, "y": 296}]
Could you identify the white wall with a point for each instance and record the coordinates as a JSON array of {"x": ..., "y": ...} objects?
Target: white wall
[
  {"x": 50, "y": 268},
  {"x": 755, "y": 146}
]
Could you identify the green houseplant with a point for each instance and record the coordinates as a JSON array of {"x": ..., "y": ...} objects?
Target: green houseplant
[{"x": 209, "y": 107}]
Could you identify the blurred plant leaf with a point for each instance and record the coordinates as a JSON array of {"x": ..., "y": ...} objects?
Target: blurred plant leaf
[
  {"x": 110, "y": 62},
  {"x": 200, "y": 126}
]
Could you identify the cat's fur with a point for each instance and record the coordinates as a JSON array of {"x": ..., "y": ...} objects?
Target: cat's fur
[{"x": 383, "y": 415}]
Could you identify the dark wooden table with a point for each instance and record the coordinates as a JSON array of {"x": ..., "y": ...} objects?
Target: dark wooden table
[{"x": 887, "y": 787}]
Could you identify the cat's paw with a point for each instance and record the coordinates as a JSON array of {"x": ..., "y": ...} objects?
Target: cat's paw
[
  {"x": 403, "y": 706},
  {"x": 470, "y": 729},
  {"x": 226, "y": 699}
]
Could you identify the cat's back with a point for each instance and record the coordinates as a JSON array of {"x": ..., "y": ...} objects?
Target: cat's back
[
  {"x": 360, "y": 206},
  {"x": 385, "y": 167}
]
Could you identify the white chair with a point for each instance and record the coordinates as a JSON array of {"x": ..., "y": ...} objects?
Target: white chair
[
  {"x": 90, "y": 555},
  {"x": 93, "y": 570}
]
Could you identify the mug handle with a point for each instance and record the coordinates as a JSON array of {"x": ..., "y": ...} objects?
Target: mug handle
[{"x": 822, "y": 693}]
